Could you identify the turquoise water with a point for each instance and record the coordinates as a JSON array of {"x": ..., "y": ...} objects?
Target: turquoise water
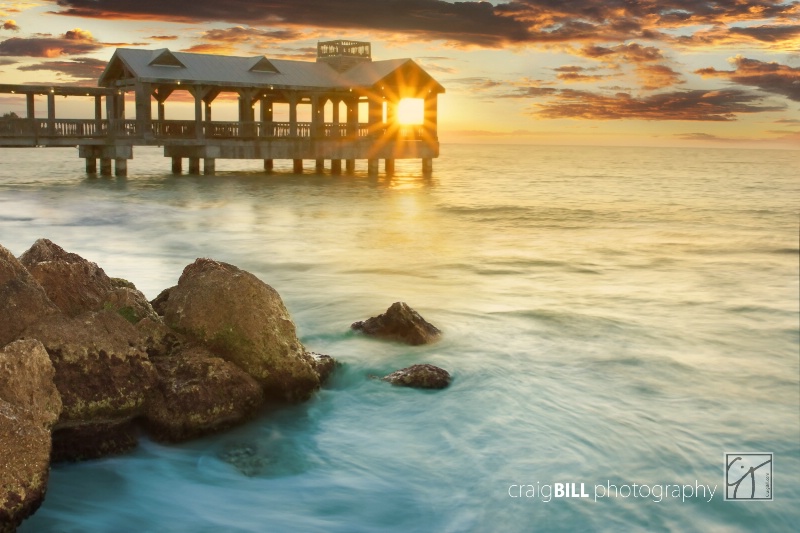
[{"x": 611, "y": 316}]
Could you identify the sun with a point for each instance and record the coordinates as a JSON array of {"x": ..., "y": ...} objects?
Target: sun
[{"x": 411, "y": 111}]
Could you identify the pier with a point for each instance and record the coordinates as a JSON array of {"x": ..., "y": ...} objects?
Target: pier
[{"x": 352, "y": 101}]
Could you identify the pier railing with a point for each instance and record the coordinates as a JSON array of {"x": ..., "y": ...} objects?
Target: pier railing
[{"x": 187, "y": 129}]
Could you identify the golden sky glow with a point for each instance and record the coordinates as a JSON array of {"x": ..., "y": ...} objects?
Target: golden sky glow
[{"x": 631, "y": 72}]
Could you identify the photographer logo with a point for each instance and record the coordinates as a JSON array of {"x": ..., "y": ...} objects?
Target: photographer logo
[{"x": 748, "y": 476}]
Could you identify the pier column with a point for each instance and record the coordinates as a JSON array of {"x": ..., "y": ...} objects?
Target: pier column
[
  {"x": 267, "y": 128},
  {"x": 292, "y": 115},
  {"x": 336, "y": 166},
  {"x": 297, "y": 166},
  {"x": 105, "y": 166},
  {"x": 120, "y": 167},
  {"x": 389, "y": 167},
  {"x": 427, "y": 167},
  {"x": 143, "y": 93},
  {"x": 335, "y": 116},
  {"x": 31, "y": 105},
  {"x": 194, "y": 165},
  {"x": 375, "y": 119},
  {"x": 91, "y": 165},
  {"x": 51, "y": 113},
  {"x": 372, "y": 167},
  {"x": 317, "y": 116},
  {"x": 268, "y": 164},
  {"x": 430, "y": 119},
  {"x": 177, "y": 164},
  {"x": 350, "y": 166},
  {"x": 209, "y": 166},
  {"x": 320, "y": 166},
  {"x": 352, "y": 116}
]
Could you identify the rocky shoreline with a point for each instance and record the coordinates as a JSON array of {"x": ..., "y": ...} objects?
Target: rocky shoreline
[{"x": 86, "y": 360}]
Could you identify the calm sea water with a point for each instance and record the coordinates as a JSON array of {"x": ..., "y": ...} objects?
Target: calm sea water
[{"x": 611, "y": 315}]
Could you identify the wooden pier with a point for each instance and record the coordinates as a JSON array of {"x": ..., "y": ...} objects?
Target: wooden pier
[{"x": 344, "y": 75}]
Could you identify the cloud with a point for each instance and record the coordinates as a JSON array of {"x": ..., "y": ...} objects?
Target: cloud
[
  {"x": 696, "y": 105},
  {"x": 461, "y": 23},
  {"x": 770, "y": 77},
  {"x": 10, "y": 25},
  {"x": 633, "y": 52},
  {"x": 700, "y": 137},
  {"x": 771, "y": 36},
  {"x": 788, "y": 121},
  {"x": 84, "y": 68},
  {"x": 162, "y": 37},
  {"x": 571, "y": 73},
  {"x": 654, "y": 77},
  {"x": 73, "y": 42}
]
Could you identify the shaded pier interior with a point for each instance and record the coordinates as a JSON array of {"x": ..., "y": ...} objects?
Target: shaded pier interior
[{"x": 350, "y": 102}]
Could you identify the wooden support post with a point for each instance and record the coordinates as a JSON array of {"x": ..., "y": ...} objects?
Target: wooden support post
[
  {"x": 177, "y": 164},
  {"x": 267, "y": 128},
  {"x": 120, "y": 167},
  {"x": 105, "y": 166},
  {"x": 98, "y": 107},
  {"x": 389, "y": 167},
  {"x": 31, "y": 106},
  {"x": 320, "y": 166},
  {"x": 268, "y": 164},
  {"x": 194, "y": 165},
  {"x": 293, "y": 115},
  {"x": 427, "y": 167},
  {"x": 209, "y": 166},
  {"x": 372, "y": 167},
  {"x": 336, "y": 166},
  {"x": 430, "y": 120},
  {"x": 51, "y": 113},
  {"x": 297, "y": 166},
  {"x": 350, "y": 166},
  {"x": 91, "y": 165}
]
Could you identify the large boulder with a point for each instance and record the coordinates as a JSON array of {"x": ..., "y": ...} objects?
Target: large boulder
[
  {"x": 399, "y": 323},
  {"x": 103, "y": 374},
  {"x": 422, "y": 376},
  {"x": 76, "y": 285},
  {"x": 198, "y": 394},
  {"x": 243, "y": 320},
  {"x": 22, "y": 300},
  {"x": 29, "y": 406}
]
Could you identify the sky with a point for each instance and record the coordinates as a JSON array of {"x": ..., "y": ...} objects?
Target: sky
[{"x": 586, "y": 72}]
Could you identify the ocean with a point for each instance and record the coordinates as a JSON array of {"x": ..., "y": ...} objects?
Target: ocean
[{"x": 616, "y": 320}]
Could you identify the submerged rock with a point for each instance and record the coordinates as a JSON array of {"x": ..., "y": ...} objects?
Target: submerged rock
[
  {"x": 103, "y": 375},
  {"x": 399, "y": 323},
  {"x": 243, "y": 320},
  {"x": 422, "y": 376},
  {"x": 29, "y": 406},
  {"x": 324, "y": 365},
  {"x": 198, "y": 394},
  {"x": 22, "y": 300}
]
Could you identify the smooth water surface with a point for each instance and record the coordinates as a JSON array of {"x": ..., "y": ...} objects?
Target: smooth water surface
[{"x": 611, "y": 315}]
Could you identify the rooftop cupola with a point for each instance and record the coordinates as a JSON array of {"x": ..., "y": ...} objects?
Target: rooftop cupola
[{"x": 343, "y": 55}]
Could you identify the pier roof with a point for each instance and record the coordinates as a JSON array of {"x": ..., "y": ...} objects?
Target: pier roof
[{"x": 166, "y": 66}]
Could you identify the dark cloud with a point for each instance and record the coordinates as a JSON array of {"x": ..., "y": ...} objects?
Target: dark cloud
[
  {"x": 770, "y": 77},
  {"x": 695, "y": 105},
  {"x": 162, "y": 37},
  {"x": 632, "y": 52},
  {"x": 10, "y": 25},
  {"x": 768, "y": 34},
  {"x": 700, "y": 137},
  {"x": 788, "y": 121},
  {"x": 84, "y": 68},
  {"x": 468, "y": 23},
  {"x": 73, "y": 42}
]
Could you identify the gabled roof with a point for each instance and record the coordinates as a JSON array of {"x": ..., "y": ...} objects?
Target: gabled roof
[{"x": 160, "y": 66}]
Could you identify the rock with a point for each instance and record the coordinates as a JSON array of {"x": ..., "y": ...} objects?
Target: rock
[
  {"x": 159, "y": 339},
  {"x": 22, "y": 300},
  {"x": 198, "y": 394},
  {"x": 129, "y": 302},
  {"x": 159, "y": 302},
  {"x": 74, "y": 284},
  {"x": 29, "y": 406},
  {"x": 399, "y": 323},
  {"x": 26, "y": 381},
  {"x": 243, "y": 320},
  {"x": 103, "y": 375},
  {"x": 324, "y": 365},
  {"x": 422, "y": 376}
]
